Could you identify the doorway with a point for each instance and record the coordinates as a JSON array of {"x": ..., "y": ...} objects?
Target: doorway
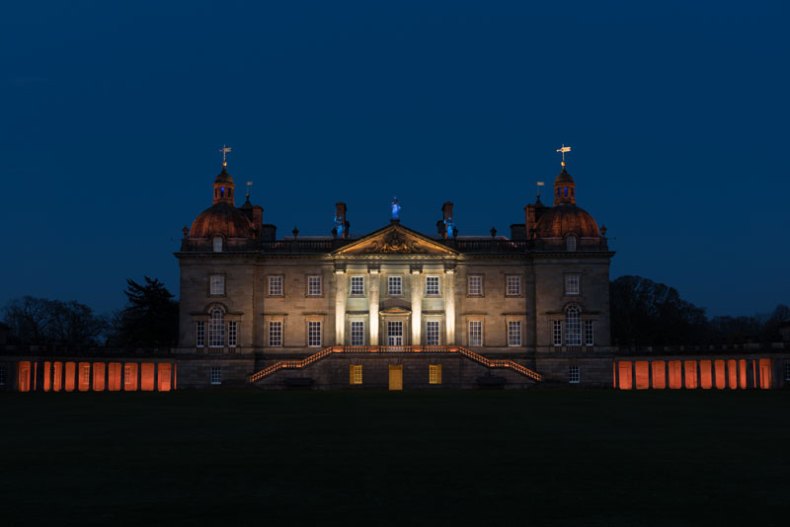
[
  {"x": 394, "y": 333},
  {"x": 396, "y": 378}
]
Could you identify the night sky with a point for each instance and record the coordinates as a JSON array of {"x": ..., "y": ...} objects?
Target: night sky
[{"x": 677, "y": 113}]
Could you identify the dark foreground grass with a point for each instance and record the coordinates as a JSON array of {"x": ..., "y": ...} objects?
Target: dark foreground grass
[{"x": 493, "y": 458}]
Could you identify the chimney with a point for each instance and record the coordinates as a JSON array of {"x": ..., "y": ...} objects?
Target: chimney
[
  {"x": 257, "y": 217},
  {"x": 530, "y": 220},
  {"x": 445, "y": 225},
  {"x": 341, "y": 223},
  {"x": 447, "y": 211}
]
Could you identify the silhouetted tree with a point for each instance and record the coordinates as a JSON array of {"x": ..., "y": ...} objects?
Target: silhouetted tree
[
  {"x": 770, "y": 330},
  {"x": 150, "y": 318},
  {"x": 53, "y": 322}
]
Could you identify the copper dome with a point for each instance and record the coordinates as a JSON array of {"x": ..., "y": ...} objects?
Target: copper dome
[
  {"x": 559, "y": 221},
  {"x": 221, "y": 219}
]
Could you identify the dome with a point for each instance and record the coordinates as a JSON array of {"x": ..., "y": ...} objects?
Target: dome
[
  {"x": 559, "y": 221},
  {"x": 221, "y": 219}
]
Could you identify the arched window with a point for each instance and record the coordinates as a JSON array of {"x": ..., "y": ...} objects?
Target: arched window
[
  {"x": 573, "y": 326},
  {"x": 217, "y": 244},
  {"x": 216, "y": 328},
  {"x": 570, "y": 243}
]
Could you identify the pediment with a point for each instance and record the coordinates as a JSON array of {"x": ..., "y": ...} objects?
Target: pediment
[{"x": 395, "y": 239}]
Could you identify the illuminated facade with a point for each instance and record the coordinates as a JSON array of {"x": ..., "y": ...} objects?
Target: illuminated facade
[{"x": 395, "y": 306}]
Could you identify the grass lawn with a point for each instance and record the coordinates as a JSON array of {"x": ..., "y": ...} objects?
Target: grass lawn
[{"x": 539, "y": 457}]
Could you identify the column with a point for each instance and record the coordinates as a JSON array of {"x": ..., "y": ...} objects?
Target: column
[
  {"x": 340, "y": 307},
  {"x": 373, "y": 309},
  {"x": 449, "y": 305},
  {"x": 416, "y": 305}
]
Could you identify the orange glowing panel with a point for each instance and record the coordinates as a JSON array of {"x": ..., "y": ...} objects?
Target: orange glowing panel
[
  {"x": 705, "y": 377},
  {"x": 23, "y": 376},
  {"x": 742, "y": 380},
  {"x": 71, "y": 370},
  {"x": 765, "y": 374},
  {"x": 47, "y": 376},
  {"x": 130, "y": 377},
  {"x": 147, "y": 376},
  {"x": 114, "y": 376},
  {"x": 720, "y": 369},
  {"x": 85, "y": 376},
  {"x": 675, "y": 374},
  {"x": 626, "y": 382},
  {"x": 98, "y": 376},
  {"x": 642, "y": 375},
  {"x": 163, "y": 377},
  {"x": 35, "y": 376},
  {"x": 175, "y": 376},
  {"x": 57, "y": 376},
  {"x": 659, "y": 374},
  {"x": 732, "y": 374},
  {"x": 690, "y": 369}
]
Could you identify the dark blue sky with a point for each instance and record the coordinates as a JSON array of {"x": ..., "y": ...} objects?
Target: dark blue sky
[{"x": 677, "y": 113}]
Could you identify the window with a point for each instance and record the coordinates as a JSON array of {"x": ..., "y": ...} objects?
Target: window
[
  {"x": 432, "y": 285},
  {"x": 358, "y": 285},
  {"x": 355, "y": 374},
  {"x": 233, "y": 333},
  {"x": 314, "y": 285},
  {"x": 357, "y": 333},
  {"x": 474, "y": 285},
  {"x": 556, "y": 332},
  {"x": 394, "y": 285},
  {"x": 572, "y": 284},
  {"x": 514, "y": 333},
  {"x": 432, "y": 333},
  {"x": 513, "y": 285},
  {"x": 434, "y": 374},
  {"x": 573, "y": 326},
  {"x": 215, "y": 375},
  {"x": 3, "y": 375},
  {"x": 216, "y": 328},
  {"x": 574, "y": 375},
  {"x": 570, "y": 243},
  {"x": 216, "y": 285},
  {"x": 276, "y": 285},
  {"x": 589, "y": 338},
  {"x": 314, "y": 334},
  {"x": 200, "y": 334},
  {"x": 275, "y": 333},
  {"x": 216, "y": 244},
  {"x": 475, "y": 332}
]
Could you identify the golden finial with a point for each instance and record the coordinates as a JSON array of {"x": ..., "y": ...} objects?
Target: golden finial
[
  {"x": 225, "y": 151},
  {"x": 563, "y": 150}
]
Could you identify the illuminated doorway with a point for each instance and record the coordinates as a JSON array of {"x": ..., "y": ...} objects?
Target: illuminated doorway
[
  {"x": 394, "y": 333},
  {"x": 396, "y": 377}
]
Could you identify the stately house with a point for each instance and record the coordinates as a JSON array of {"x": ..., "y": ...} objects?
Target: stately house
[{"x": 394, "y": 307}]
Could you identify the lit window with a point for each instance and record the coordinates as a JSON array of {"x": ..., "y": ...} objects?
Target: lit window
[
  {"x": 217, "y": 244},
  {"x": 200, "y": 334},
  {"x": 233, "y": 333},
  {"x": 589, "y": 335},
  {"x": 216, "y": 328},
  {"x": 314, "y": 334},
  {"x": 514, "y": 333},
  {"x": 3, "y": 375},
  {"x": 394, "y": 285},
  {"x": 275, "y": 285},
  {"x": 215, "y": 375},
  {"x": 556, "y": 332},
  {"x": 355, "y": 374},
  {"x": 572, "y": 281},
  {"x": 474, "y": 285},
  {"x": 513, "y": 285},
  {"x": 432, "y": 285},
  {"x": 434, "y": 374},
  {"x": 475, "y": 332},
  {"x": 570, "y": 243},
  {"x": 573, "y": 326},
  {"x": 275, "y": 333},
  {"x": 357, "y": 333},
  {"x": 358, "y": 285},
  {"x": 432, "y": 333},
  {"x": 574, "y": 376},
  {"x": 216, "y": 285},
  {"x": 314, "y": 285}
]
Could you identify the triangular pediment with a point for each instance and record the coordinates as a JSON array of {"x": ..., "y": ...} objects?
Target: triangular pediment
[{"x": 395, "y": 239}]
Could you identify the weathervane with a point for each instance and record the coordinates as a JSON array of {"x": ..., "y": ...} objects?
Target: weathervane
[
  {"x": 563, "y": 150},
  {"x": 225, "y": 151},
  {"x": 539, "y": 184},
  {"x": 249, "y": 188}
]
